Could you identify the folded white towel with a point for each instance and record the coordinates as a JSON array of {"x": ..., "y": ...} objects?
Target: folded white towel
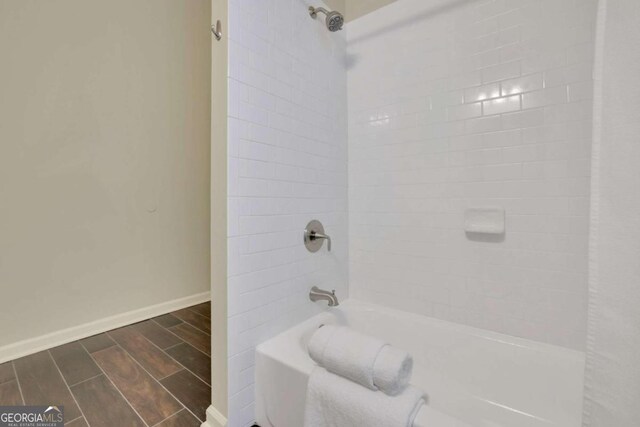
[
  {"x": 366, "y": 360},
  {"x": 318, "y": 342},
  {"x": 392, "y": 370},
  {"x": 346, "y": 352},
  {"x": 333, "y": 401}
]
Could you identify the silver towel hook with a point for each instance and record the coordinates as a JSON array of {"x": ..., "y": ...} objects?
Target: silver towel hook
[{"x": 217, "y": 30}]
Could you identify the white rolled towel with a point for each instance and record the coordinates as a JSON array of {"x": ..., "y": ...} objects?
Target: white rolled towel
[
  {"x": 365, "y": 360},
  {"x": 392, "y": 370}
]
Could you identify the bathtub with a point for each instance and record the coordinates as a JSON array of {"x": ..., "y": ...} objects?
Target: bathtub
[{"x": 472, "y": 377}]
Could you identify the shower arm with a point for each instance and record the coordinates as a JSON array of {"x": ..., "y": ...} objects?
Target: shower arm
[
  {"x": 334, "y": 20},
  {"x": 313, "y": 11}
]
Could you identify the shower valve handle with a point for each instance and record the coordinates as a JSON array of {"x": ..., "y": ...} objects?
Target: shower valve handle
[{"x": 315, "y": 235}]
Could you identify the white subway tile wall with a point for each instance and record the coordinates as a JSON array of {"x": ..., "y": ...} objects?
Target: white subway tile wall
[
  {"x": 287, "y": 166},
  {"x": 458, "y": 104}
]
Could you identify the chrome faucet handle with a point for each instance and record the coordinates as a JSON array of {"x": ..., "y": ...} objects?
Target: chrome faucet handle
[{"x": 315, "y": 235}]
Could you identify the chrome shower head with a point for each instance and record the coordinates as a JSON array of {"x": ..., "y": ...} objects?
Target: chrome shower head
[{"x": 334, "y": 20}]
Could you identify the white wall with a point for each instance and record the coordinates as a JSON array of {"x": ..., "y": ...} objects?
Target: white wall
[
  {"x": 287, "y": 165},
  {"x": 612, "y": 375},
  {"x": 219, "y": 146},
  {"x": 104, "y": 159},
  {"x": 339, "y": 5},
  {"x": 357, "y": 8},
  {"x": 454, "y": 104}
]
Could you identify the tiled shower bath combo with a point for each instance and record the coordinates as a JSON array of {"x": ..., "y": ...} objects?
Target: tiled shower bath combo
[{"x": 320, "y": 213}]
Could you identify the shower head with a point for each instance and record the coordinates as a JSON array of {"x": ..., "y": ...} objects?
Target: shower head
[{"x": 335, "y": 20}]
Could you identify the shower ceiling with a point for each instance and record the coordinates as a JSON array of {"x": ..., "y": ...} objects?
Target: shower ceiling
[{"x": 353, "y": 9}]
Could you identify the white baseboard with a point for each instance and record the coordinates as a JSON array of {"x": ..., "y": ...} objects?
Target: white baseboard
[
  {"x": 214, "y": 418},
  {"x": 54, "y": 339}
]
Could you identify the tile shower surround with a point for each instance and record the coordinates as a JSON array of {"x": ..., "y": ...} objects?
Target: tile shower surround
[
  {"x": 287, "y": 166},
  {"x": 472, "y": 104}
]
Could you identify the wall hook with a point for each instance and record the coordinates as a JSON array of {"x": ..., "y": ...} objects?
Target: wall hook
[{"x": 217, "y": 30}]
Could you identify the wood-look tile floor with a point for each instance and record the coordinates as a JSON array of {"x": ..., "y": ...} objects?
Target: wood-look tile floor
[{"x": 155, "y": 373}]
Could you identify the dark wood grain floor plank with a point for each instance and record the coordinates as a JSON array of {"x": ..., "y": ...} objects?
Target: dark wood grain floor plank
[
  {"x": 193, "y": 393},
  {"x": 194, "y": 319},
  {"x": 157, "y": 334},
  {"x": 192, "y": 359},
  {"x": 181, "y": 419},
  {"x": 144, "y": 352},
  {"x": 193, "y": 336},
  {"x": 6, "y": 373},
  {"x": 103, "y": 406},
  {"x": 97, "y": 343},
  {"x": 80, "y": 422},
  {"x": 145, "y": 394},
  {"x": 75, "y": 363},
  {"x": 10, "y": 394},
  {"x": 42, "y": 383},
  {"x": 167, "y": 320},
  {"x": 203, "y": 309}
]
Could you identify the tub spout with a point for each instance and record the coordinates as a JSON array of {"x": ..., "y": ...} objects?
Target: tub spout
[{"x": 318, "y": 294}]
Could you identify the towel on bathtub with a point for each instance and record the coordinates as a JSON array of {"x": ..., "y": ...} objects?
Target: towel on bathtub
[
  {"x": 392, "y": 370},
  {"x": 368, "y": 361},
  {"x": 346, "y": 352},
  {"x": 333, "y": 401}
]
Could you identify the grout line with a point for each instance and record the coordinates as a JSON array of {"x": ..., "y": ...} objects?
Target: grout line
[
  {"x": 247, "y": 368},
  {"x": 191, "y": 324},
  {"x": 184, "y": 341},
  {"x": 117, "y": 389},
  {"x": 66, "y": 384},
  {"x": 167, "y": 327},
  {"x": 192, "y": 346},
  {"x": 15, "y": 372},
  {"x": 173, "y": 346},
  {"x": 170, "y": 330},
  {"x": 242, "y": 389},
  {"x": 165, "y": 353},
  {"x": 172, "y": 415},
  {"x": 170, "y": 375},
  {"x": 164, "y": 329},
  {"x": 87, "y": 350},
  {"x": 184, "y": 368},
  {"x": 159, "y": 380},
  {"x": 200, "y": 330},
  {"x": 209, "y": 317},
  {"x": 75, "y": 419},
  {"x": 84, "y": 381},
  {"x": 203, "y": 315}
]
